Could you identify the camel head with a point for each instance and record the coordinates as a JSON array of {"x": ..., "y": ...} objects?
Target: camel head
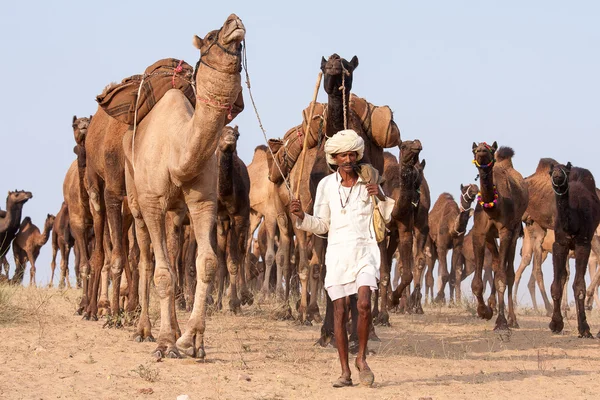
[
  {"x": 221, "y": 49},
  {"x": 18, "y": 197},
  {"x": 559, "y": 175},
  {"x": 484, "y": 154},
  {"x": 337, "y": 72},
  {"x": 80, "y": 128},
  {"x": 229, "y": 138},
  {"x": 49, "y": 221},
  {"x": 468, "y": 193},
  {"x": 409, "y": 151}
]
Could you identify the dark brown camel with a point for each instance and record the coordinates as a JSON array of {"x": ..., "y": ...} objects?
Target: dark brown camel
[
  {"x": 447, "y": 228},
  {"x": 26, "y": 247},
  {"x": 233, "y": 219},
  {"x": 578, "y": 215},
  {"x": 10, "y": 222},
  {"x": 62, "y": 241},
  {"x": 502, "y": 201}
]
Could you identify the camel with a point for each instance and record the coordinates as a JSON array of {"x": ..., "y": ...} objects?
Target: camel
[
  {"x": 265, "y": 206},
  {"x": 501, "y": 203},
  {"x": 27, "y": 245},
  {"x": 578, "y": 216},
  {"x": 233, "y": 218},
  {"x": 174, "y": 166},
  {"x": 447, "y": 227},
  {"x": 105, "y": 175},
  {"x": 62, "y": 241},
  {"x": 11, "y": 219},
  {"x": 467, "y": 264},
  {"x": 407, "y": 196},
  {"x": 77, "y": 201}
]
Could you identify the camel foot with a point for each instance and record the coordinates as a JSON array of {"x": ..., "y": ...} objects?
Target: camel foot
[
  {"x": 484, "y": 312},
  {"x": 235, "y": 305},
  {"x": 493, "y": 304},
  {"x": 598, "y": 335},
  {"x": 501, "y": 323},
  {"x": 247, "y": 298},
  {"x": 556, "y": 325},
  {"x": 327, "y": 340},
  {"x": 383, "y": 319},
  {"x": 284, "y": 313},
  {"x": 365, "y": 375},
  {"x": 313, "y": 314},
  {"x": 440, "y": 299},
  {"x": 191, "y": 345},
  {"x": 373, "y": 336},
  {"x": 584, "y": 331},
  {"x": 166, "y": 352},
  {"x": 512, "y": 323},
  {"x": 140, "y": 338}
]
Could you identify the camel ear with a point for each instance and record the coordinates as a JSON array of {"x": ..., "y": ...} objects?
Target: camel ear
[
  {"x": 91, "y": 118},
  {"x": 461, "y": 187},
  {"x": 197, "y": 42},
  {"x": 74, "y": 118},
  {"x": 568, "y": 166},
  {"x": 474, "y": 146},
  {"x": 423, "y": 164},
  {"x": 495, "y": 146},
  {"x": 323, "y": 63},
  {"x": 551, "y": 168},
  {"x": 354, "y": 63}
]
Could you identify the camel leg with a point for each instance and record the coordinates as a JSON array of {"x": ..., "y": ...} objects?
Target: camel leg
[
  {"x": 383, "y": 317},
  {"x": 113, "y": 200},
  {"x": 31, "y": 259},
  {"x": 565, "y": 298},
  {"x": 82, "y": 265},
  {"x": 539, "y": 256},
  {"x": 271, "y": 228},
  {"x": 55, "y": 249},
  {"x": 190, "y": 269},
  {"x": 232, "y": 259},
  {"x": 283, "y": 261},
  {"x": 510, "y": 281},
  {"x": 526, "y": 256},
  {"x": 315, "y": 278},
  {"x": 103, "y": 302},
  {"x": 582, "y": 254},
  {"x": 483, "y": 310},
  {"x": 559, "y": 261},
  {"x": 405, "y": 243},
  {"x": 421, "y": 235},
  {"x": 240, "y": 234},
  {"x": 500, "y": 277},
  {"x": 303, "y": 269},
  {"x": 457, "y": 267},
  {"x": 443, "y": 274},
  {"x": 64, "y": 265},
  {"x": 490, "y": 271},
  {"x": 223, "y": 227},
  {"x": 429, "y": 282},
  {"x": 97, "y": 259},
  {"x": 592, "y": 290},
  {"x": 202, "y": 214}
]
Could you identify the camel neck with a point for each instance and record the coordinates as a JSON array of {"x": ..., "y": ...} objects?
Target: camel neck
[
  {"x": 563, "y": 219},
  {"x": 460, "y": 224},
  {"x": 216, "y": 96},
  {"x": 225, "y": 178},
  {"x": 335, "y": 112},
  {"x": 487, "y": 185},
  {"x": 45, "y": 234},
  {"x": 13, "y": 216}
]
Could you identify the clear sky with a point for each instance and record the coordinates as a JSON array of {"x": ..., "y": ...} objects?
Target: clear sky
[{"x": 522, "y": 73}]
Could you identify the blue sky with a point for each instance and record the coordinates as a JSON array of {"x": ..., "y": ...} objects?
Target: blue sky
[{"x": 522, "y": 73}]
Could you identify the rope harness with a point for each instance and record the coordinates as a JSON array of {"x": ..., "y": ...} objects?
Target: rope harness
[{"x": 556, "y": 186}]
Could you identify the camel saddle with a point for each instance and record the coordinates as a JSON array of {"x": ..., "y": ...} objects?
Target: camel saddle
[{"x": 119, "y": 100}]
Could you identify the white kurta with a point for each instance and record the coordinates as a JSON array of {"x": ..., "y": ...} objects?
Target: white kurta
[{"x": 351, "y": 247}]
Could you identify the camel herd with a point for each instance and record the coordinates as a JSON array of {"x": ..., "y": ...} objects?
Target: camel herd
[{"x": 168, "y": 202}]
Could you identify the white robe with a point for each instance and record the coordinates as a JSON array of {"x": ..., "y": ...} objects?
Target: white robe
[{"x": 351, "y": 245}]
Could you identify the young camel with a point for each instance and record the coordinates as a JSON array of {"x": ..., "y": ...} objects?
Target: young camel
[
  {"x": 171, "y": 165},
  {"x": 62, "y": 241},
  {"x": 501, "y": 203},
  {"x": 26, "y": 247}
]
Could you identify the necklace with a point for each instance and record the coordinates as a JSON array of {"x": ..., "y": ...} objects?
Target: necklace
[{"x": 345, "y": 203}]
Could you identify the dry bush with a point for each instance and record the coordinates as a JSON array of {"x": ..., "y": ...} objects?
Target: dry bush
[
  {"x": 147, "y": 373},
  {"x": 9, "y": 311}
]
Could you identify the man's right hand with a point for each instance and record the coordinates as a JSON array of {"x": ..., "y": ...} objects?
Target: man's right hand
[{"x": 296, "y": 208}]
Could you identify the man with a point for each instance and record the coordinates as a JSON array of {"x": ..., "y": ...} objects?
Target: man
[{"x": 343, "y": 207}]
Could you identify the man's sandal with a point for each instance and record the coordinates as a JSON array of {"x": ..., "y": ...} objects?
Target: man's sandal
[{"x": 342, "y": 382}]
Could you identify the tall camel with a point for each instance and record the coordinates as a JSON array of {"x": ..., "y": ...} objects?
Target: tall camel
[
  {"x": 501, "y": 203},
  {"x": 447, "y": 226},
  {"x": 27, "y": 245},
  {"x": 233, "y": 218},
  {"x": 10, "y": 222},
  {"x": 105, "y": 174},
  {"x": 578, "y": 216},
  {"x": 175, "y": 165},
  {"x": 62, "y": 241}
]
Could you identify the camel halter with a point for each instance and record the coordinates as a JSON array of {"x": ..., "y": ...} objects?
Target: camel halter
[{"x": 556, "y": 186}]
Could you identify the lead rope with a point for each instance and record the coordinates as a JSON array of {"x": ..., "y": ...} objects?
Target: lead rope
[
  {"x": 245, "y": 66},
  {"x": 343, "y": 88}
]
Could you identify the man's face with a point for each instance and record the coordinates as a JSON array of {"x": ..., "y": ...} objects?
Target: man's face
[{"x": 345, "y": 160}]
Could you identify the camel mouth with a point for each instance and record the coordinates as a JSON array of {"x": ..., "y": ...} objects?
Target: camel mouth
[
  {"x": 233, "y": 30},
  {"x": 229, "y": 141}
]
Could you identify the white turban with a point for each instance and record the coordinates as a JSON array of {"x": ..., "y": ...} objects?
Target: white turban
[{"x": 343, "y": 141}]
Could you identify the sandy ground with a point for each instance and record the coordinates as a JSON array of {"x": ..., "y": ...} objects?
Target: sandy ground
[{"x": 46, "y": 352}]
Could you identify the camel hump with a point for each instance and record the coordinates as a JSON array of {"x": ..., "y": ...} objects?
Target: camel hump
[
  {"x": 584, "y": 176},
  {"x": 260, "y": 147},
  {"x": 545, "y": 164},
  {"x": 504, "y": 153},
  {"x": 446, "y": 196},
  {"x": 26, "y": 221}
]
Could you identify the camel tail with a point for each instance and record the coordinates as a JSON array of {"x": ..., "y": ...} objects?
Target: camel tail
[{"x": 504, "y": 153}]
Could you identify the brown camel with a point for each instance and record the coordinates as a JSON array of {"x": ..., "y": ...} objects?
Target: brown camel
[
  {"x": 233, "y": 218},
  {"x": 77, "y": 200},
  {"x": 105, "y": 173},
  {"x": 467, "y": 264},
  {"x": 26, "y": 247},
  {"x": 265, "y": 206},
  {"x": 174, "y": 165},
  {"x": 578, "y": 215},
  {"x": 447, "y": 228},
  {"x": 62, "y": 241},
  {"x": 407, "y": 195},
  {"x": 11, "y": 219},
  {"x": 501, "y": 203}
]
